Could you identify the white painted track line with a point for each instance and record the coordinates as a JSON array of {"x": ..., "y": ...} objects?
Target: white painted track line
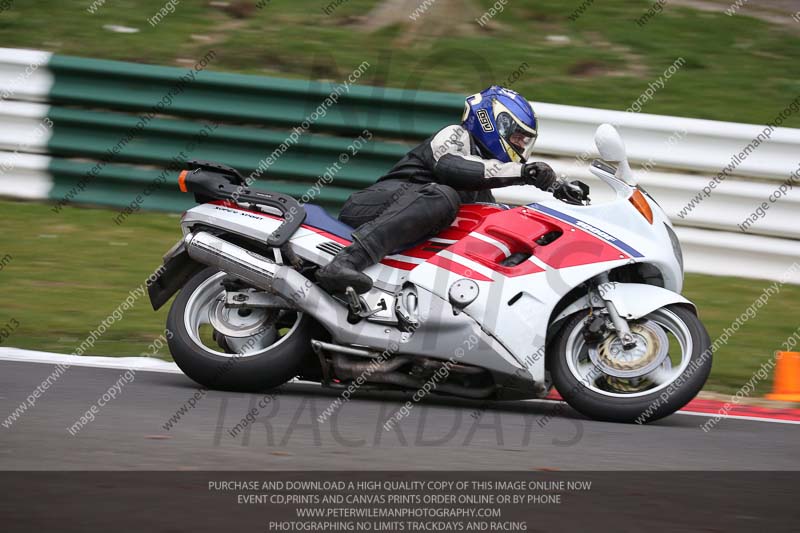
[
  {"x": 149, "y": 364},
  {"x": 146, "y": 364}
]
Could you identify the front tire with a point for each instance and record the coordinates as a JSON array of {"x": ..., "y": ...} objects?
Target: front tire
[
  {"x": 601, "y": 381},
  {"x": 267, "y": 359}
]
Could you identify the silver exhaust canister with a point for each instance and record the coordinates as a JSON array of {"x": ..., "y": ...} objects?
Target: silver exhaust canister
[
  {"x": 248, "y": 266},
  {"x": 290, "y": 285}
]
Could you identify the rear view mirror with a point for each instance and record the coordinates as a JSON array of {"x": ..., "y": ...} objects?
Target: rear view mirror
[{"x": 609, "y": 143}]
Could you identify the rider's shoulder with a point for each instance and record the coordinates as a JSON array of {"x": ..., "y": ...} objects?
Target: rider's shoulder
[
  {"x": 449, "y": 135},
  {"x": 453, "y": 129}
]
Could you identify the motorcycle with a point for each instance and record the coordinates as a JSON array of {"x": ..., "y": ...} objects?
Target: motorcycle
[{"x": 505, "y": 304}]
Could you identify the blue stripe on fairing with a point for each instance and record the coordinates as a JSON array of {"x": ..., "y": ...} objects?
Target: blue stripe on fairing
[{"x": 574, "y": 221}]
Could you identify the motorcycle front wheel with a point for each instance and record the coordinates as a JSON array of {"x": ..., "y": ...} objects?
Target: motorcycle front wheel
[
  {"x": 238, "y": 350},
  {"x": 666, "y": 369}
]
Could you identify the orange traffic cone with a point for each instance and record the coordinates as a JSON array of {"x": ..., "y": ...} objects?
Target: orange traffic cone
[{"x": 786, "y": 387}]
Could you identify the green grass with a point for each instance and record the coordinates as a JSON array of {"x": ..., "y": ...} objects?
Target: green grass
[
  {"x": 69, "y": 272},
  {"x": 737, "y": 68}
]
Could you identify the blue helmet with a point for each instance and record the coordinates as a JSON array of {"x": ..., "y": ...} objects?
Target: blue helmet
[{"x": 503, "y": 123}]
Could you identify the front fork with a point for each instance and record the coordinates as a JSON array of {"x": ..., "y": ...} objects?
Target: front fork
[{"x": 620, "y": 324}]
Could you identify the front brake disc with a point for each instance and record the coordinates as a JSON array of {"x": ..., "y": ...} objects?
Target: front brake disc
[{"x": 649, "y": 353}]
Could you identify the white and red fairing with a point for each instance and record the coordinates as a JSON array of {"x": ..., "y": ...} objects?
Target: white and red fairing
[{"x": 515, "y": 303}]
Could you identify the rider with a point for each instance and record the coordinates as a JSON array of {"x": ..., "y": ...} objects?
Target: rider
[{"x": 421, "y": 194}]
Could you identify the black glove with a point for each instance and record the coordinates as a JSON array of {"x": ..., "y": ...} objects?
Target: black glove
[
  {"x": 573, "y": 192},
  {"x": 539, "y": 175}
]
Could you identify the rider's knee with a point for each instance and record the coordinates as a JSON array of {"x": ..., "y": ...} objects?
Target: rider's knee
[{"x": 451, "y": 202}]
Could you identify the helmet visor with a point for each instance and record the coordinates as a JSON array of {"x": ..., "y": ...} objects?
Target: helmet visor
[{"x": 518, "y": 136}]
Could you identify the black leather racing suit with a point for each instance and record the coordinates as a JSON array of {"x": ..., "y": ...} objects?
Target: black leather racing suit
[{"x": 422, "y": 193}]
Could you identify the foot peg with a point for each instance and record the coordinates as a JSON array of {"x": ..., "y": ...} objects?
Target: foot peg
[{"x": 359, "y": 309}]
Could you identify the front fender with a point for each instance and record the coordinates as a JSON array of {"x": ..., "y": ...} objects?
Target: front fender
[{"x": 632, "y": 300}]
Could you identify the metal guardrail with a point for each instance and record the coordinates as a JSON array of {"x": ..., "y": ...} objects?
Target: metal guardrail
[{"x": 93, "y": 104}]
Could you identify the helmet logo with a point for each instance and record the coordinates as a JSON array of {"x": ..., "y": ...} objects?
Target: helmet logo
[
  {"x": 508, "y": 92},
  {"x": 483, "y": 118}
]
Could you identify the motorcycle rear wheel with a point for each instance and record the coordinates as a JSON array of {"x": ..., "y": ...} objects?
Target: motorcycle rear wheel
[
  {"x": 653, "y": 380},
  {"x": 275, "y": 353}
]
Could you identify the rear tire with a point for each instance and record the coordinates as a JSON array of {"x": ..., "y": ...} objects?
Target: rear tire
[
  {"x": 640, "y": 407},
  {"x": 264, "y": 368}
]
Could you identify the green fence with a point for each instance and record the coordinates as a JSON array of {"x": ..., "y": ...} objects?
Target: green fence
[{"x": 233, "y": 119}]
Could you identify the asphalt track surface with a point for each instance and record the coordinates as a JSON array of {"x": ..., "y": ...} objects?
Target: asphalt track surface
[{"x": 439, "y": 434}]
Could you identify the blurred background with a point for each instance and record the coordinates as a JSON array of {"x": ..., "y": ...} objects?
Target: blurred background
[{"x": 241, "y": 74}]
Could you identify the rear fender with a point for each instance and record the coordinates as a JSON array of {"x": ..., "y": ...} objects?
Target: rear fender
[{"x": 177, "y": 270}]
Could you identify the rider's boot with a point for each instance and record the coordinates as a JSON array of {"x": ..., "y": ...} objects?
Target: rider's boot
[{"x": 345, "y": 270}]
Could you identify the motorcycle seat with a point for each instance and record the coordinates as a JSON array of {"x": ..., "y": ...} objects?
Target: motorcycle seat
[{"x": 318, "y": 218}]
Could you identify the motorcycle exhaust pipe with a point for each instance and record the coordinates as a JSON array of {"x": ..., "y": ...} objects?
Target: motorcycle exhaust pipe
[
  {"x": 290, "y": 285},
  {"x": 210, "y": 250}
]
